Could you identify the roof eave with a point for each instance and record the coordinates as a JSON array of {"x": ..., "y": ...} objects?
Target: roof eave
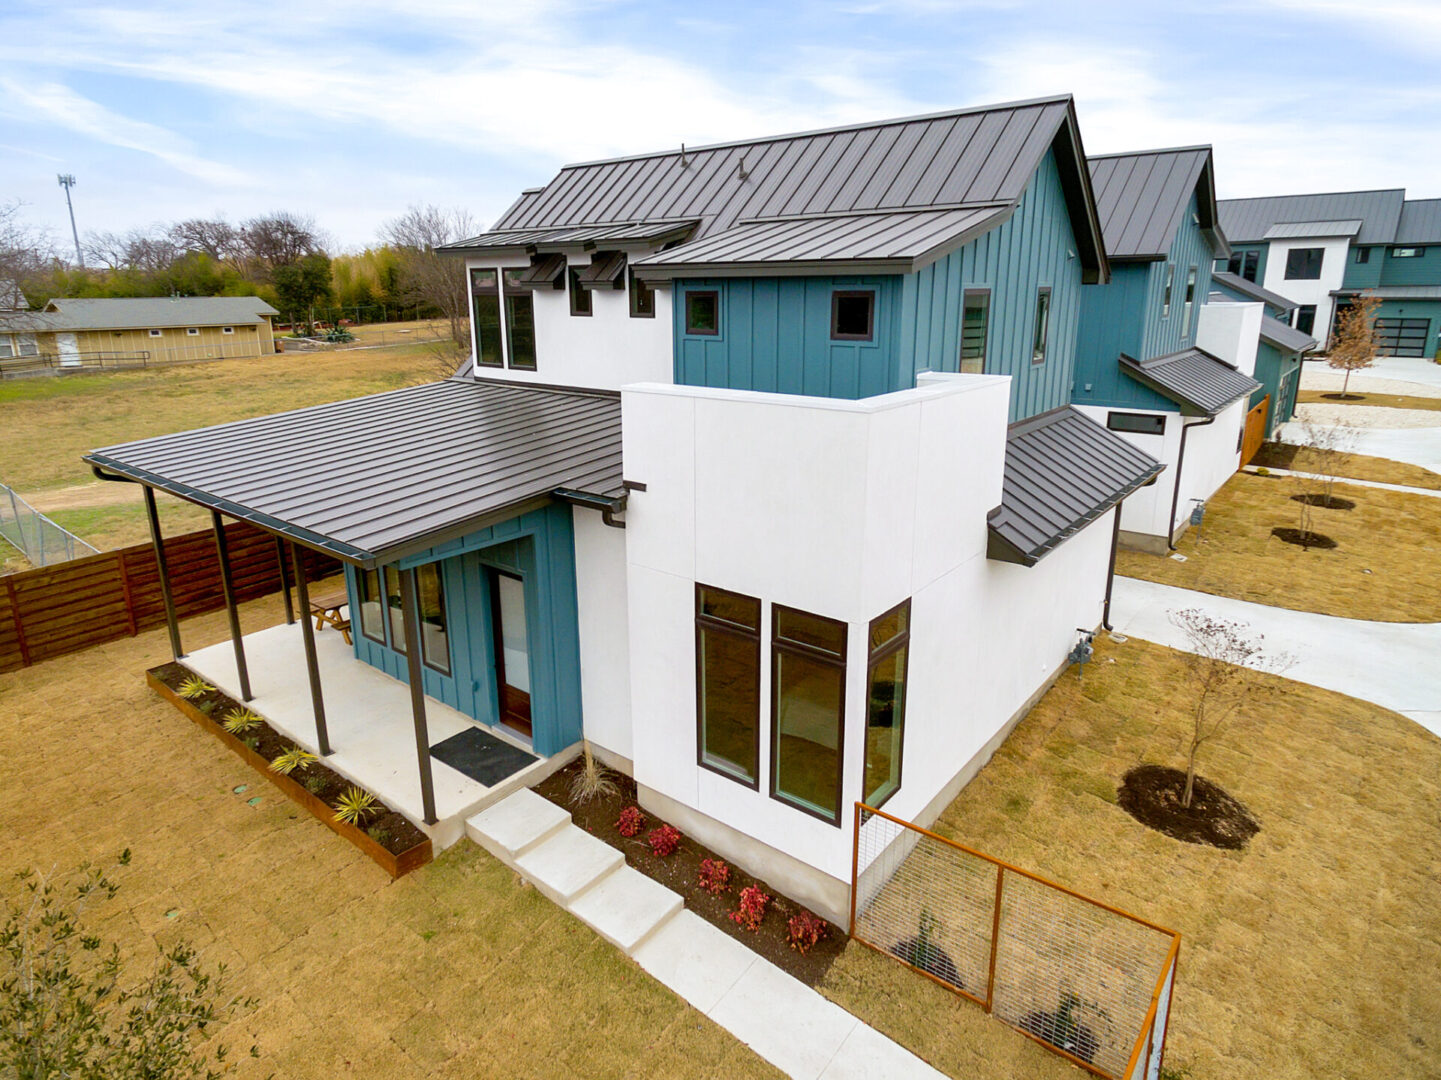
[
  {"x": 1081, "y": 199},
  {"x": 663, "y": 272}
]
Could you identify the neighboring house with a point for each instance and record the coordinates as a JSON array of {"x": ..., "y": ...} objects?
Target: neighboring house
[
  {"x": 1319, "y": 251},
  {"x": 763, "y": 476},
  {"x": 1156, "y": 362},
  {"x": 117, "y": 332},
  {"x": 1281, "y": 348}
]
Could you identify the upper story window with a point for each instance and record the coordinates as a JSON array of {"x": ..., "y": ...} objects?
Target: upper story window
[
  {"x": 1188, "y": 308},
  {"x": 1166, "y": 294},
  {"x": 227, "y": 329},
  {"x": 1304, "y": 264},
  {"x": 853, "y": 315},
  {"x": 1245, "y": 264},
  {"x": 1407, "y": 253},
  {"x": 580, "y": 298},
  {"x": 1363, "y": 254},
  {"x": 1306, "y": 318},
  {"x": 642, "y": 298},
  {"x": 975, "y": 329},
  {"x": 488, "y": 288},
  {"x": 485, "y": 299},
  {"x": 1043, "y": 319},
  {"x": 519, "y": 322},
  {"x": 702, "y": 312}
]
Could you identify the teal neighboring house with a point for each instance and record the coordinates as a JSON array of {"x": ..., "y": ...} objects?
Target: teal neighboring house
[{"x": 1278, "y": 353}]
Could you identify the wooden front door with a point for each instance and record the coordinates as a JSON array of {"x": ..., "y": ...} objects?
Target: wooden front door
[{"x": 512, "y": 650}]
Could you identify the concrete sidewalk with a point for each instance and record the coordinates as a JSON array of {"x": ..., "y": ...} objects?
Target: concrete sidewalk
[
  {"x": 1394, "y": 665},
  {"x": 1388, "y": 375},
  {"x": 1418, "y": 446},
  {"x": 1429, "y": 492}
]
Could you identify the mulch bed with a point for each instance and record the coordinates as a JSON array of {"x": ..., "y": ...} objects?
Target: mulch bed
[
  {"x": 1328, "y": 502},
  {"x": 680, "y": 871},
  {"x": 1306, "y": 540},
  {"x": 1152, "y": 795},
  {"x": 390, "y": 830},
  {"x": 1276, "y": 455},
  {"x": 1344, "y": 397}
]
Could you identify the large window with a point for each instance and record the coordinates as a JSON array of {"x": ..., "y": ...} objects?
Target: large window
[
  {"x": 372, "y": 606},
  {"x": 728, "y": 683},
  {"x": 394, "y": 609},
  {"x": 853, "y": 315},
  {"x": 808, "y": 683},
  {"x": 1188, "y": 307},
  {"x": 485, "y": 296},
  {"x": 580, "y": 299},
  {"x": 642, "y": 298},
  {"x": 519, "y": 322},
  {"x": 1303, "y": 264},
  {"x": 702, "y": 312},
  {"x": 975, "y": 329},
  {"x": 889, "y": 642},
  {"x": 1306, "y": 318},
  {"x": 1166, "y": 293},
  {"x": 1043, "y": 319},
  {"x": 1136, "y": 423},
  {"x": 434, "y": 626}
]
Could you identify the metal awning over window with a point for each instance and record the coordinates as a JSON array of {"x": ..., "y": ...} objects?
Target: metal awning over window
[
  {"x": 544, "y": 272},
  {"x": 606, "y": 271}
]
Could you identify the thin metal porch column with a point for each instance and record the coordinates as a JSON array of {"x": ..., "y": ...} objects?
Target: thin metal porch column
[
  {"x": 312, "y": 663},
  {"x": 284, "y": 581},
  {"x": 171, "y": 622},
  {"x": 410, "y": 610},
  {"x": 232, "y": 613}
]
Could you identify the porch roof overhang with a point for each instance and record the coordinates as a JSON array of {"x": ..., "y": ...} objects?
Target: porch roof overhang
[
  {"x": 378, "y": 478},
  {"x": 1199, "y": 383}
]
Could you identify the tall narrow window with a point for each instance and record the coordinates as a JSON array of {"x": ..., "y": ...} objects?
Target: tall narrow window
[
  {"x": 1251, "y": 265},
  {"x": 975, "y": 329},
  {"x": 434, "y": 627},
  {"x": 580, "y": 299},
  {"x": 1166, "y": 293},
  {"x": 728, "y": 683},
  {"x": 519, "y": 322},
  {"x": 486, "y": 298},
  {"x": 853, "y": 315},
  {"x": 702, "y": 312},
  {"x": 642, "y": 298},
  {"x": 1188, "y": 307},
  {"x": 1043, "y": 319},
  {"x": 1306, "y": 318},
  {"x": 396, "y": 612},
  {"x": 1234, "y": 263},
  {"x": 372, "y": 606},
  {"x": 889, "y": 642},
  {"x": 808, "y": 687}
]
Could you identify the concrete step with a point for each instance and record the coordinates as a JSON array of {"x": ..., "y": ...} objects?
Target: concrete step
[
  {"x": 516, "y": 824},
  {"x": 565, "y": 865},
  {"x": 626, "y": 908}
]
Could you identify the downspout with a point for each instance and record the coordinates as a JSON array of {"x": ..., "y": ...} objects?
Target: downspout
[
  {"x": 608, "y": 507},
  {"x": 1111, "y": 573},
  {"x": 1176, "y": 492}
]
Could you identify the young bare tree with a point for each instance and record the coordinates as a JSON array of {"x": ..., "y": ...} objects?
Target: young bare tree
[
  {"x": 1327, "y": 447},
  {"x": 1353, "y": 346},
  {"x": 427, "y": 277},
  {"x": 1220, "y": 652}
]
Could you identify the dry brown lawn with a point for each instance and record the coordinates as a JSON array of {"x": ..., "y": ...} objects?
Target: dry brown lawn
[
  {"x": 1355, "y": 466},
  {"x": 1314, "y": 953},
  {"x": 454, "y": 971},
  {"x": 1385, "y": 567},
  {"x": 1355, "y": 397}
]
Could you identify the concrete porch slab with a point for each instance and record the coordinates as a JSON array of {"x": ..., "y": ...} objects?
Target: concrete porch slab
[
  {"x": 568, "y": 863},
  {"x": 626, "y": 908},
  {"x": 514, "y": 825}
]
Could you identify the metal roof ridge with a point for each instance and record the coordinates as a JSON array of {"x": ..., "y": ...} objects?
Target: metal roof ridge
[
  {"x": 1315, "y": 194},
  {"x": 1158, "y": 150}
]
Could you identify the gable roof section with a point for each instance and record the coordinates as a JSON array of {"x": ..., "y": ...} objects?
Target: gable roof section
[
  {"x": 1142, "y": 196},
  {"x": 141, "y": 313},
  {"x": 1420, "y": 222},
  {"x": 963, "y": 159},
  {"x": 1063, "y": 470},
  {"x": 1285, "y": 337},
  {"x": 1250, "y": 290},
  {"x": 376, "y": 478},
  {"x": 1248, "y": 220},
  {"x": 1201, "y": 384}
]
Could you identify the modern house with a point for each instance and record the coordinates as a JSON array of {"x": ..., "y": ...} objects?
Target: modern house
[
  {"x": 1319, "y": 251},
  {"x": 1280, "y": 350},
  {"x": 1156, "y": 362},
  {"x": 116, "y": 332},
  {"x": 762, "y": 477}
]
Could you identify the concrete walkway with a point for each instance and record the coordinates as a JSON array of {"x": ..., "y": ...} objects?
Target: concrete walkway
[
  {"x": 779, "y": 1017},
  {"x": 1431, "y": 492},
  {"x": 1388, "y": 375},
  {"x": 1418, "y": 446},
  {"x": 1394, "y": 665}
]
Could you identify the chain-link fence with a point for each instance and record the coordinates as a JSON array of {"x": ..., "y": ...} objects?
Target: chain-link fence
[
  {"x": 38, "y": 538},
  {"x": 1086, "y": 980}
]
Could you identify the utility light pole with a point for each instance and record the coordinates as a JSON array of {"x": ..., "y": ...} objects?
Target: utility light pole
[{"x": 67, "y": 181}]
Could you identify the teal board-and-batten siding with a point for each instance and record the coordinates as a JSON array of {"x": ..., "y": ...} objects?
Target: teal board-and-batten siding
[
  {"x": 1278, "y": 372},
  {"x": 1423, "y": 269},
  {"x": 539, "y": 547}
]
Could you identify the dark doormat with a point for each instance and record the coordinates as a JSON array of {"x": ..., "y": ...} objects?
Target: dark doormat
[{"x": 481, "y": 756}]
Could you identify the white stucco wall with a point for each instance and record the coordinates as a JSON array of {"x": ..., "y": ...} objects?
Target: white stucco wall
[
  {"x": 1145, "y": 511},
  {"x": 600, "y": 583},
  {"x": 1318, "y": 292}
]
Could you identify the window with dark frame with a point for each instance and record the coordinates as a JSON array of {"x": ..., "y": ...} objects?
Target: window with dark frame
[
  {"x": 485, "y": 296},
  {"x": 1188, "y": 305},
  {"x": 702, "y": 312},
  {"x": 1042, "y": 329},
  {"x": 1304, "y": 264},
  {"x": 581, "y": 302},
  {"x": 1363, "y": 254},
  {"x": 1166, "y": 293},
  {"x": 1137, "y": 423},
  {"x": 808, "y": 684},
  {"x": 395, "y": 613},
  {"x": 728, "y": 683},
  {"x": 1408, "y": 253},
  {"x": 1252, "y": 264},
  {"x": 642, "y": 297},
  {"x": 434, "y": 625},
  {"x": 889, "y": 639},
  {"x": 853, "y": 315},
  {"x": 975, "y": 329},
  {"x": 519, "y": 322},
  {"x": 372, "y": 606},
  {"x": 1306, "y": 318}
]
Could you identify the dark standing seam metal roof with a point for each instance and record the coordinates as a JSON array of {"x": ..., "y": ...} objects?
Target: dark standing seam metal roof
[
  {"x": 1249, "y": 289},
  {"x": 1286, "y": 337},
  {"x": 1063, "y": 470},
  {"x": 1301, "y": 230},
  {"x": 1142, "y": 196},
  {"x": 1395, "y": 292},
  {"x": 959, "y": 159},
  {"x": 1247, "y": 220},
  {"x": 1420, "y": 222},
  {"x": 571, "y": 236},
  {"x": 379, "y": 477},
  {"x": 1200, "y": 383}
]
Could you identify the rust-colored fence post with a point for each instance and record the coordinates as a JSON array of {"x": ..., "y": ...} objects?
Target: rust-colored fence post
[
  {"x": 19, "y": 626},
  {"x": 995, "y": 938},
  {"x": 855, "y": 867}
]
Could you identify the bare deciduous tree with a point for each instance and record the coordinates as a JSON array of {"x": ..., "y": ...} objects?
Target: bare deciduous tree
[
  {"x": 277, "y": 239},
  {"x": 24, "y": 251},
  {"x": 428, "y": 277},
  {"x": 1353, "y": 347},
  {"x": 218, "y": 238}
]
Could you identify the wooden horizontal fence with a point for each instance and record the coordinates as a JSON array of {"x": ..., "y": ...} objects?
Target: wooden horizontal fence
[{"x": 61, "y": 609}]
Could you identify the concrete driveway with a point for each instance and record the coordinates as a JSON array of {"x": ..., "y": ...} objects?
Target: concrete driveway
[
  {"x": 1395, "y": 665},
  {"x": 1388, "y": 375},
  {"x": 1419, "y": 446}
]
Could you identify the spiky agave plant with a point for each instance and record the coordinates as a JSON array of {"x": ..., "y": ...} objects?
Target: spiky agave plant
[
  {"x": 292, "y": 759},
  {"x": 239, "y": 721},
  {"x": 194, "y": 687},
  {"x": 355, "y": 805},
  {"x": 593, "y": 781}
]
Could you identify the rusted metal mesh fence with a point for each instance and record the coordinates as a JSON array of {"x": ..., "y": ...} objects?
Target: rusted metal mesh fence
[{"x": 1084, "y": 979}]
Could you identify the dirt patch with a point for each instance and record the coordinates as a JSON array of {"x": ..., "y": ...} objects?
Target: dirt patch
[
  {"x": 1327, "y": 502},
  {"x": 1276, "y": 455},
  {"x": 1344, "y": 397},
  {"x": 1152, "y": 795},
  {"x": 681, "y": 872},
  {"x": 1307, "y": 540}
]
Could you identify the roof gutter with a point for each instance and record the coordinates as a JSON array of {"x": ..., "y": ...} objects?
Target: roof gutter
[{"x": 608, "y": 506}]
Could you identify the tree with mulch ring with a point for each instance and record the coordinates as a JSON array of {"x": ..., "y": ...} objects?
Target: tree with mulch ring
[
  {"x": 1307, "y": 540},
  {"x": 1061, "y": 1029},
  {"x": 681, "y": 872},
  {"x": 1326, "y": 502},
  {"x": 922, "y": 952},
  {"x": 1152, "y": 795}
]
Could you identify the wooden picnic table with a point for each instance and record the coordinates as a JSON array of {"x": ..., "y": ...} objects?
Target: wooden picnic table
[{"x": 326, "y": 609}]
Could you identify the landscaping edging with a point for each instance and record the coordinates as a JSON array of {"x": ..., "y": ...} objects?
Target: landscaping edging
[{"x": 396, "y": 865}]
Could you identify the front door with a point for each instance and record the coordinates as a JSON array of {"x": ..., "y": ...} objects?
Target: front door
[
  {"x": 69, "y": 349},
  {"x": 512, "y": 651}
]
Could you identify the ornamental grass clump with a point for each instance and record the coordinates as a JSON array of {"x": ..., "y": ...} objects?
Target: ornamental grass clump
[
  {"x": 292, "y": 759},
  {"x": 239, "y": 721},
  {"x": 194, "y": 688},
  {"x": 355, "y": 805},
  {"x": 593, "y": 781}
]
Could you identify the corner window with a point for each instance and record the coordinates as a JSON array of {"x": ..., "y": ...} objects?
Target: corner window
[
  {"x": 395, "y": 613},
  {"x": 519, "y": 322},
  {"x": 1043, "y": 319},
  {"x": 1166, "y": 294},
  {"x": 580, "y": 299},
  {"x": 975, "y": 329},
  {"x": 1303, "y": 264},
  {"x": 1188, "y": 306},
  {"x": 1136, "y": 423},
  {"x": 853, "y": 315},
  {"x": 1306, "y": 318},
  {"x": 434, "y": 627},
  {"x": 702, "y": 312},
  {"x": 485, "y": 297},
  {"x": 155, "y": 333},
  {"x": 192, "y": 331},
  {"x": 642, "y": 298},
  {"x": 1363, "y": 254},
  {"x": 1407, "y": 253},
  {"x": 372, "y": 606},
  {"x": 889, "y": 642},
  {"x": 728, "y": 683},
  {"x": 227, "y": 329},
  {"x": 808, "y": 687}
]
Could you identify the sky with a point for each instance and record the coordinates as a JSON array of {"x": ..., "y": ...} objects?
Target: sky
[{"x": 352, "y": 112}]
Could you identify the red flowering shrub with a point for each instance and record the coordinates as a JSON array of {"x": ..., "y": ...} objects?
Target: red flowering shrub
[
  {"x": 664, "y": 841},
  {"x": 752, "y": 908},
  {"x": 804, "y": 930},
  {"x": 631, "y": 822},
  {"x": 714, "y": 876}
]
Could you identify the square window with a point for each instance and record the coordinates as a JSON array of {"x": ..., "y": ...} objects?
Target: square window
[
  {"x": 191, "y": 331},
  {"x": 702, "y": 312},
  {"x": 581, "y": 302},
  {"x": 1304, "y": 264},
  {"x": 853, "y": 315},
  {"x": 1363, "y": 254},
  {"x": 156, "y": 333}
]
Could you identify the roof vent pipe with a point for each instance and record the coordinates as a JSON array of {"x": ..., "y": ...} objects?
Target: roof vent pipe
[
  {"x": 684, "y": 161},
  {"x": 741, "y": 173}
]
